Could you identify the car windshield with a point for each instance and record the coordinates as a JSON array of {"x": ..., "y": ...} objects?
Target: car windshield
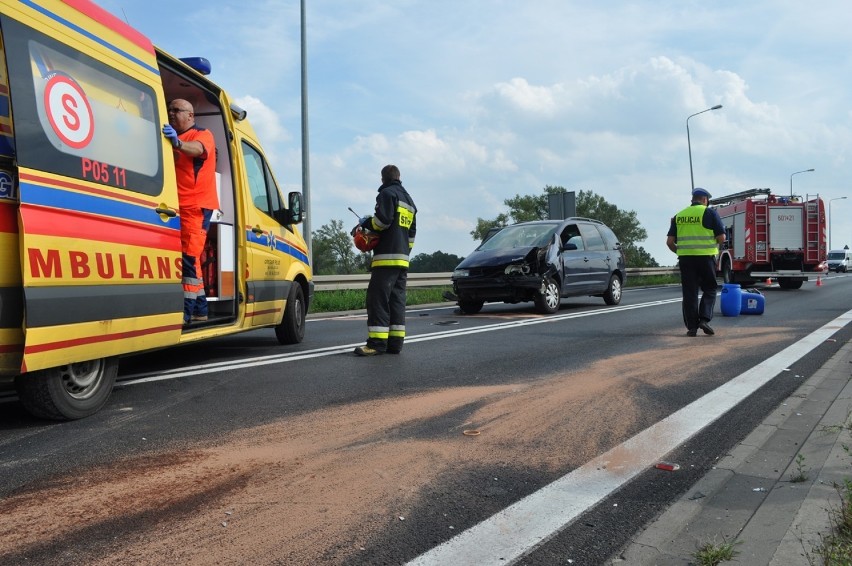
[
  {"x": 836, "y": 255},
  {"x": 520, "y": 236}
]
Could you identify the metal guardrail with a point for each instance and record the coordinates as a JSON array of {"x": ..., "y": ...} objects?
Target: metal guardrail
[{"x": 361, "y": 280}]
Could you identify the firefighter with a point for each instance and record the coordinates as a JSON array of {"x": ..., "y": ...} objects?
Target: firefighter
[
  {"x": 394, "y": 221},
  {"x": 694, "y": 235},
  {"x": 195, "y": 166}
]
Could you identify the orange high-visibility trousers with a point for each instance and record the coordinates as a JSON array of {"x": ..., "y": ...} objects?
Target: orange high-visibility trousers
[{"x": 193, "y": 234}]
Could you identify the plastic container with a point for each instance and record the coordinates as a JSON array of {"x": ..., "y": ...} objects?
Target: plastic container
[
  {"x": 752, "y": 302},
  {"x": 732, "y": 301}
]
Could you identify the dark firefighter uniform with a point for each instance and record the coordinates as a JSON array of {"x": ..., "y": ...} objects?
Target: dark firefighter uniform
[
  {"x": 696, "y": 230},
  {"x": 395, "y": 222}
]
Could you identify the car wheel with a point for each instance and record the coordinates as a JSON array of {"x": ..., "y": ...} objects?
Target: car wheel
[
  {"x": 547, "y": 302},
  {"x": 469, "y": 306},
  {"x": 291, "y": 330},
  {"x": 72, "y": 391},
  {"x": 612, "y": 296}
]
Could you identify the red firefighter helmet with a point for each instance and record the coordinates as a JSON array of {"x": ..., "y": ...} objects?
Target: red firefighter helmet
[{"x": 365, "y": 241}]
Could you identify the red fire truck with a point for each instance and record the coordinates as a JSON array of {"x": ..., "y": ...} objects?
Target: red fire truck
[{"x": 770, "y": 236}]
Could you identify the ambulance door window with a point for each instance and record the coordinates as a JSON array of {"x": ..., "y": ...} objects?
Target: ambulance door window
[
  {"x": 262, "y": 187},
  {"x": 83, "y": 119}
]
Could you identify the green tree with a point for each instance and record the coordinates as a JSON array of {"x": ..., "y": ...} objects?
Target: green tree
[
  {"x": 438, "y": 262},
  {"x": 334, "y": 252},
  {"x": 625, "y": 224}
]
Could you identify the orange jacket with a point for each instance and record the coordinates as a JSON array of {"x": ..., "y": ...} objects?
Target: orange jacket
[{"x": 196, "y": 176}]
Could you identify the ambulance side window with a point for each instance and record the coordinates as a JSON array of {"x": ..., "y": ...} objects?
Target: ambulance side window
[
  {"x": 78, "y": 117},
  {"x": 262, "y": 188}
]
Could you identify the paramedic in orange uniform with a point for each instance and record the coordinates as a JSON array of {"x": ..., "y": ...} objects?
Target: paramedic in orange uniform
[{"x": 195, "y": 164}]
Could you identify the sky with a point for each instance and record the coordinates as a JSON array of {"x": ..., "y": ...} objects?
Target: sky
[{"x": 477, "y": 101}]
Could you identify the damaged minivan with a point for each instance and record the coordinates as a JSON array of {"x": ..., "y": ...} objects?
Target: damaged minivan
[{"x": 542, "y": 261}]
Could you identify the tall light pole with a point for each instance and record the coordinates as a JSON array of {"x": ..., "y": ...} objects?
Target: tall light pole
[
  {"x": 306, "y": 162},
  {"x": 791, "y": 179},
  {"x": 829, "y": 220},
  {"x": 689, "y": 144}
]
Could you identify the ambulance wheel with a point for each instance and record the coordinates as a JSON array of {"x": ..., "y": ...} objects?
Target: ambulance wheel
[
  {"x": 789, "y": 283},
  {"x": 68, "y": 392},
  {"x": 292, "y": 328}
]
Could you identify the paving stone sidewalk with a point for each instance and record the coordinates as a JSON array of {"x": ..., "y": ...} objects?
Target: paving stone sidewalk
[{"x": 749, "y": 496}]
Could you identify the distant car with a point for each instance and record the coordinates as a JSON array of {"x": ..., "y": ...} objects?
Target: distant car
[{"x": 542, "y": 261}]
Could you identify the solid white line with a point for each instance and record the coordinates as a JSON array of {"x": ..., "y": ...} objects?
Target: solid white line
[
  {"x": 346, "y": 348},
  {"x": 514, "y": 531}
]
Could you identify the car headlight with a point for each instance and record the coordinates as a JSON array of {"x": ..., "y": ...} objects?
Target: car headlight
[
  {"x": 517, "y": 269},
  {"x": 461, "y": 273}
]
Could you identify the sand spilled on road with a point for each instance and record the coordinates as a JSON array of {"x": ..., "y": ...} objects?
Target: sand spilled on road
[{"x": 300, "y": 490}]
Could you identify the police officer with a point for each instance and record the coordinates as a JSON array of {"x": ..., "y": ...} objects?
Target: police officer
[
  {"x": 394, "y": 220},
  {"x": 694, "y": 235}
]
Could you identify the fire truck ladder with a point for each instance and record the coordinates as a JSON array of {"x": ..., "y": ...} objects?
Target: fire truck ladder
[
  {"x": 739, "y": 196},
  {"x": 761, "y": 231},
  {"x": 812, "y": 229}
]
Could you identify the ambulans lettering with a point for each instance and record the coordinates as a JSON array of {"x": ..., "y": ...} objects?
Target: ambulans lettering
[{"x": 48, "y": 264}]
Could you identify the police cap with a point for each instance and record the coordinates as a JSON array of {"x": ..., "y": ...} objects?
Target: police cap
[{"x": 699, "y": 192}]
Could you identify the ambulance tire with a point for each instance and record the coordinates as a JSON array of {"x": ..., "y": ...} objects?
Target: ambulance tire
[
  {"x": 68, "y": 392},
  {"x": 292, "y": 327}
]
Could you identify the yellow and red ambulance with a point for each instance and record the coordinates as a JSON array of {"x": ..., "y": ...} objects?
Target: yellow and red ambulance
[{"x": 90, "y": 253}]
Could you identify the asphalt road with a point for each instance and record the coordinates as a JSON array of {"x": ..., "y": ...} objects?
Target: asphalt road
[{"x": 546, "y": 395}]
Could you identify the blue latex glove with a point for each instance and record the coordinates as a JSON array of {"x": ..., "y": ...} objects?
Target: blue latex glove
[{"x": 171, "y": 134}]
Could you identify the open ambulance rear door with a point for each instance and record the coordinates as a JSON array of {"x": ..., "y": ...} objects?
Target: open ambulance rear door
[{"x": 99, "y": 235}]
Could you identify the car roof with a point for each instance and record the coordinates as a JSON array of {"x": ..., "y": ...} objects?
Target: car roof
[{"x": 557, "y": 221}]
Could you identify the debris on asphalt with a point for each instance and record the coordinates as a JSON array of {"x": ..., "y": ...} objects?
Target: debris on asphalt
[
  {"x": 759, "y": 489},
  {"x": 668, "y": 466},
  {"x": 696, "y": 495}
]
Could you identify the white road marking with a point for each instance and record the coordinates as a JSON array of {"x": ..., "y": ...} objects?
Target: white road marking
[
  {"x": 347, "y": 348},
  {"x": 516, "y": 530}
]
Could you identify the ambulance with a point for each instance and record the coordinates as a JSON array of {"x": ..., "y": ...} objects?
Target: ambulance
[{"x": 90, "y": 253}]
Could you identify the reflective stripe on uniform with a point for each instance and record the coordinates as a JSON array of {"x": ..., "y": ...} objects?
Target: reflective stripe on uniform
[
  {"x": 390, "y": 260},
  {"x": 397, "y": 331},
  {"x": 380, "y": 332}
]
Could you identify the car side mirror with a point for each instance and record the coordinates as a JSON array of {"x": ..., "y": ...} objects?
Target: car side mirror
[{"x": 570, "y": 247}]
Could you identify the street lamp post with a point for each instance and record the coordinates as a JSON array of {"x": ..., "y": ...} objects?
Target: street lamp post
[
  {"x": 306, "y": 161},
  {"x": 689, "y": 144},
  {"x": 791, "y": 179},
  {"x": 829, "y": 220}
]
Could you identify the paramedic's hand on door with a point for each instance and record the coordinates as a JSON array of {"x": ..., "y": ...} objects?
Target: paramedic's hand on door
[{"x": 171, "y": 134}]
